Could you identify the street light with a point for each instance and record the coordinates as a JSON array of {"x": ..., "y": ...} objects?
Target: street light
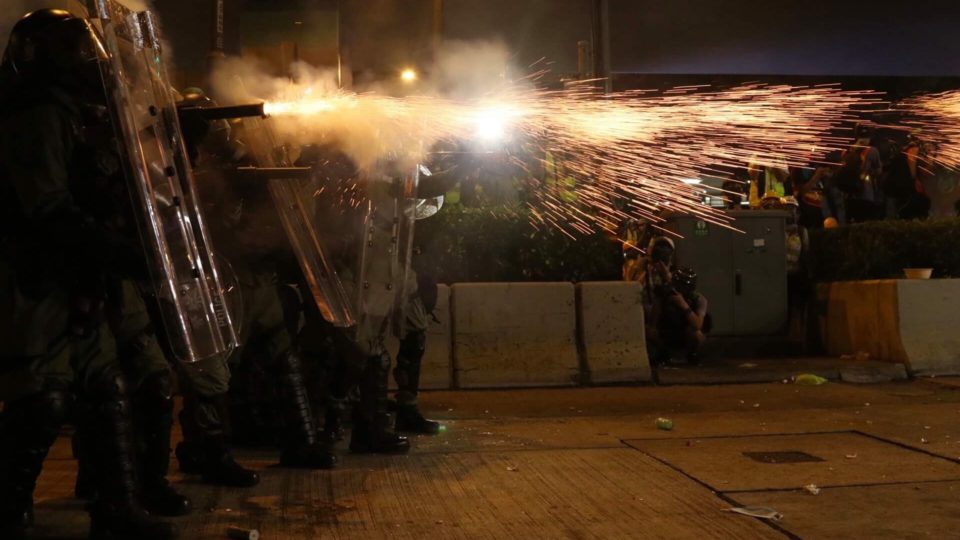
[{"x": 408, "y": 75}]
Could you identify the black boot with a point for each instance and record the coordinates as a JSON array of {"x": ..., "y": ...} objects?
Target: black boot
[
  {"x": 248, "y": 399},
  {"x": 371, "y": 434},
  {"x": 28, "y": 427},
  {"x": 204, "y": 449},
  {"x": 301, "y": 448},
  {"x": 336, "y": 389},
  {"x": 411, "y": 420},
  {"x": 154, "y": 415},
  {"x": 333, "y": 423},
  {"x": 407, "y": 375},
  {"x": 117, "y": 512},
  {"x": 84, "y": 488}
]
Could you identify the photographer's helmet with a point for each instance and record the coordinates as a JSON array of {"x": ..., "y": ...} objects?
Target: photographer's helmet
[
  {"x": 685, "y": 280},
  {"x": 660, "y": 247}
]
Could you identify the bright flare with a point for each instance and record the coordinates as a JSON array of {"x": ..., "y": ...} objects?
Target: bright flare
[{"x": 494, "y": 123}]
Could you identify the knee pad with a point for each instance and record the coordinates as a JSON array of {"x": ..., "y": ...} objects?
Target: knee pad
[
  {"x": 52, "y": 406},
  {"x": 156, "y": 391},
  {"x": 380, "y": 362},
  {"x": 41, "y": 414},
  {"x": 289, "y": 362},
  {"x": 414, "y": 345},
  {"x": 110, "y": 386}
]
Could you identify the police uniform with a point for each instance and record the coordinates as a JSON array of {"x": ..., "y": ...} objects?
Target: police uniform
[
  {"x": 363, "y": 243},
  {"x": 420, "y": 303},
  {"x": 59, "y": 250},
  {"x": 250, "y": 236}
]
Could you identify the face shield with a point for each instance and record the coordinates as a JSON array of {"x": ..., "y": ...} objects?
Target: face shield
[
  {"x": 81, "y": 59},
  {"x": 425, "y": 208}
]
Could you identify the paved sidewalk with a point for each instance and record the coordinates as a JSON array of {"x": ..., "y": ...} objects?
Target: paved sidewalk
[{"x": 590, "y": 463}]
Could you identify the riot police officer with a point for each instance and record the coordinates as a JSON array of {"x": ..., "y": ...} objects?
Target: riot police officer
[
  {"x": 369, "y": 253},
  {"x": 363, "y": 245},
  {"x": 412, "y": 332},
  {"x": 150, "y": 379},
  {"x": 65, "y": 242},
  {"x": 249, "y": 234}
]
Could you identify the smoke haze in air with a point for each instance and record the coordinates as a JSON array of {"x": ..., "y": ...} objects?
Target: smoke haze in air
[{"x": 375, "y": 126}]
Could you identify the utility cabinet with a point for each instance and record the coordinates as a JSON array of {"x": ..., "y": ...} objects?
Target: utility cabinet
[{"x": 743, "y": 272}]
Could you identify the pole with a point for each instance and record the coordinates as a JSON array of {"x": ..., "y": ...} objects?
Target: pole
[
  {"x": 605, "y": 45},
  {"x": 585, "y": 68},
  {"x": 217, "y": 48},
  {"x": 437, "y": 27},
  {"x": 339, "y": 48},
  {"x": 601, "y": 42}
]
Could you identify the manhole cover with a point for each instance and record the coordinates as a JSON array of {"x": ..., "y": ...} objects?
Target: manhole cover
[{"x": 790, "y": 456}]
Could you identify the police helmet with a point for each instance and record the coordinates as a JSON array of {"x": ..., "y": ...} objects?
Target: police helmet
[{"x": 55, "y": 46}]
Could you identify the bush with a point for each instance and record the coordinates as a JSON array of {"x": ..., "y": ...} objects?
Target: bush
[
  {"x": 500, "y": 244},
  {"x": 882, "y": 249}
]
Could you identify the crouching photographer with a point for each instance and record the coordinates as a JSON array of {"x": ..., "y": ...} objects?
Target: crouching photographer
[{"x": 676, "y": 314}]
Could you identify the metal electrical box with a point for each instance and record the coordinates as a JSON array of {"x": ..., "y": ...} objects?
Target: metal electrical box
[{"x": 742, "y": 274}]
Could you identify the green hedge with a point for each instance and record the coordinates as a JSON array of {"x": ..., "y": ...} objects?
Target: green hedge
[
  {"x": 881, "y": 250},
  {"x": 500, "y": 244}
]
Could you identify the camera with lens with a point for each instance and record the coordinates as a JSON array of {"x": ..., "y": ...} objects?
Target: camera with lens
[{"x": 665, "y": 290}]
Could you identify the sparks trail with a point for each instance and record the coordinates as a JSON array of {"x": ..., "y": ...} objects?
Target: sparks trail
[
  {"x": 629, "y": 153},
  {"x": 937, "y": 118}
]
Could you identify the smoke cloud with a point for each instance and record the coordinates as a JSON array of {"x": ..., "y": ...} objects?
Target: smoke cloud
[{"x": 373, "y": 123}]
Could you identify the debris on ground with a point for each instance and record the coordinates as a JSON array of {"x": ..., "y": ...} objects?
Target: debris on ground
[
  {"x": 809, "y": 379},
  {"x": 812, "y": 489},
  {"x": 664, "y": 424},
  {"x": 239, "y": 533},
  {"x": 513, "y": 469},
  {"x": 762, "y": 512},
  {"x": 851, "y": 456},
  {"x": 860, "y": 356}
]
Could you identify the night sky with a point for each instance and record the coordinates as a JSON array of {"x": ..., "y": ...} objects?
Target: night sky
[
  {"x": 532, "y": 29},
  {"x": 793, "y": 37},
  {"x": 752, "y": 37}
]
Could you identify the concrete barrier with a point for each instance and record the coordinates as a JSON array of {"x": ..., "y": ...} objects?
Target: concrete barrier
[
  {"x": 928, "y": 325},
  {"x": 436, "y": 371},
  {"x": 514, "y": 334},
  {"x": 861, "y": 316},
  {"x": 611, "y": 332},
  {"x": 910, "y": 322}
]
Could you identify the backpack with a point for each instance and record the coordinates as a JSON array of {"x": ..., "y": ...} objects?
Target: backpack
[
  {"x": 899, "y": 182},
  {"x": 849, "y": 177}
]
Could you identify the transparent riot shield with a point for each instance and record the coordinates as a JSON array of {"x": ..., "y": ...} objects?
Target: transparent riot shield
[
  {"x": 294, "y": 196},
  {"x": 408, "y": 210},
  {"x": 294, "y": 201},
  {"x": 382, "y": 279},
  {"x": 186, "y": 278}
]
